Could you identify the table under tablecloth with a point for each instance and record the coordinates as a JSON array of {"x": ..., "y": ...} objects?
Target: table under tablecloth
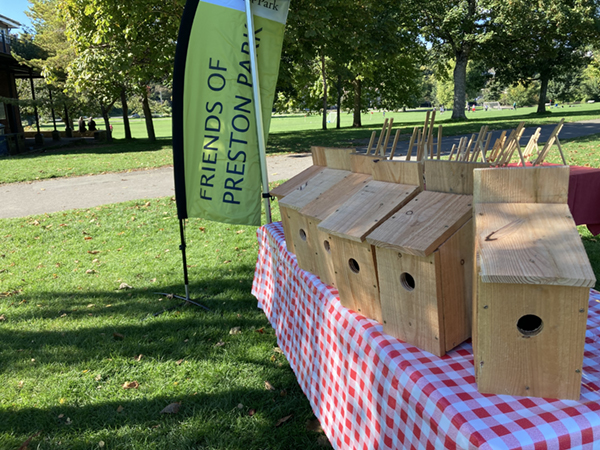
[
  {"x": 584, "y": 197},
  {"x": 372, "y": 391}
]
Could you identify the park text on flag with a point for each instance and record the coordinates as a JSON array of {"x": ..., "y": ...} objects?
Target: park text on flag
[{"x": 216, "y": 156}]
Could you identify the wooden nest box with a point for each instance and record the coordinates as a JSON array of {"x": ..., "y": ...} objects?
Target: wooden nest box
[
  {"x": 532, "y": 284},
  {"x": 394, "y": 183},
  {"x": 425, "y": 260},
  {"x": 330, "y": 166}
]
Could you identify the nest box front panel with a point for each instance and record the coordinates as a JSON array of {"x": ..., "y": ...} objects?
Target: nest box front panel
[
  {"x": 410, "y": 301},
  {"x": 530, "y": 339},
  {"x": 356, "y": 276}
]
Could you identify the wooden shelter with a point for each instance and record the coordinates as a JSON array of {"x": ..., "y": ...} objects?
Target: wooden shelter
[
  {"x": 425, "y": 259},
  {"x": 394, "y": 183},
  {"x": 532, "y": 284}
]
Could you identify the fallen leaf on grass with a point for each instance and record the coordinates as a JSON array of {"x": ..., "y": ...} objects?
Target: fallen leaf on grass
[
  {"x": 179, "y": 362},
  {"x": 2, "y": 318},
  {"x": 125, "y": 286},
  {"x": 314, "y": 425},
  {"x": 261, "y": 330},
  {"x": 93, "y": 252},
  {"x": 90, "y": 271},
  {"x": 283, "y": 420},
  {"x": 120, "y": 409},
  {"x": 25, "y": 445},
  {"x": 118, "y": 336},
  {"x": 227, "y": 262},
  {"x": 323, "y": 442},
  {"x": 21, "y": 383},
  {"x": 60, "y": 416},
  {"x": 240, "y": 231},
  {"x": 88, "y": 238},
  {"x": 251, "y": 412},
  {"x": 269, "y": 386},
  {"x": 138, "y": 358},
  {"x": 220, "y": 344},
  {"x": 101, "y": 444},
  {"x": 91, "y": 305},
  {"x": 173, "y": 408},
  {"x": 68, "y": 421},
  {"x": 131, "y": 385},
  {"x": 278, "y": 350},
  {"x": 235, "y": 330}
]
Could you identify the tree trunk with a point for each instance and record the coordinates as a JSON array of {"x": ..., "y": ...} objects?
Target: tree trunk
[
  {"x": 106, "y": 122},
  {"x": 338, "y": 121},
  {"x": 148, "y": 116},
  {"x": 543, "y": 91},
  {"x": 357, "y": 122},
  {"x": 460, "y": 85},
  {"x": 125, "y": 114},
  {"x": 68, "y": 124},
  {"x": 323, "y": 74}
]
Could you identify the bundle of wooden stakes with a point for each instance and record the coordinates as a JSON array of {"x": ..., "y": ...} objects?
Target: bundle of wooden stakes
[
  {"x": 422, "y": 138},
  {"x": 504, "y": 148}
]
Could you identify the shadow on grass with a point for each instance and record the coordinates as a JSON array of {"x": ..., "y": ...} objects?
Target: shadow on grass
[
  {"x": 139, "y": 421},
  {"x": 118, "y": 146},
  {"x": 79, "y": 327}
]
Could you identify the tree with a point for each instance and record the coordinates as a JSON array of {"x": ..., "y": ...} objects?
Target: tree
[
  {"x": 455, "y": 29},
  {"x": 540, "y": 41},
  {"x": 356, "y": 47},
  {"x": 123, "y": 46}
]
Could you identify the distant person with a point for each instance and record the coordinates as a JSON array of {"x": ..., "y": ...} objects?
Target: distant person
[
  {"x": 442, "y": 109},
  {"x": 81, "y": 125},
  {"x": 515, "y": 105},
  {"x": 473, "y": 108},
  {"x": 485, "y": 106},
  {"x": 92, "y": 124}
]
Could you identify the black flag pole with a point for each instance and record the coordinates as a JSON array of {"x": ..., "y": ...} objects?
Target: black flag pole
[
  {"x": 185, "y": 274},
  {"x": 178, "y": 161}
]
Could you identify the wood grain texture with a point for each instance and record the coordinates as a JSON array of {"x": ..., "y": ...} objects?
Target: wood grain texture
[
  {"x": 324, "y": 249},
  {"x": 400, "y": 172},
  {"x": 411, "y": 315},
  {"x": 315, "y": 186},
  {"x": 521, "y": 185},
  {"x": 338, "y": 158},
  {"x": 530, "y": 243},
  {"x": 367, "y": 209},
  {"x": 424, "y": 223},
  {"x": 318, "y": 156},
  {"x": 454, "y": 264},
  {"x": 300, "y": 236},
  {"x": 330, "y": 200},
  {"x": 547, "y": 364},
  {"x": 358, "y": 290},
  {"x": 453, "y": 177},
  {"x": 296, "y": 182},
  {"x": 363, "y": 163}
]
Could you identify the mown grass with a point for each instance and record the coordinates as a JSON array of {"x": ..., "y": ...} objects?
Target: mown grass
[{"x": 71, "y": 338}]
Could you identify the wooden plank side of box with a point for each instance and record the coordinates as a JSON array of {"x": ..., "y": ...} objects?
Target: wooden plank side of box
[
  {"x": 423, "y": 223},
  {"x": 367, "y": 209},
  {"x": 530, "y": 340},
  {"x": 453, "y": 177},
  {"x": 328, "y": 201},
  {"x": 403, "y": 172},
  {"x": 296, "y": 182},
  {"x": 548, "y": 184},
  {"x": 363, "y": 163},
  {"x": 334, "y": 158},
  {"x": 313, "y": 188},
  {"x": 530, "y": 243}
]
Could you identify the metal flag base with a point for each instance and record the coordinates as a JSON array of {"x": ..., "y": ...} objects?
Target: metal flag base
[{"x": 185, "y": 299}]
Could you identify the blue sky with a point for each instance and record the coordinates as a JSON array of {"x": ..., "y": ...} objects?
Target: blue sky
[{"x": 14, "y": 9}]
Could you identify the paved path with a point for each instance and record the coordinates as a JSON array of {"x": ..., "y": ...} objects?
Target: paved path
[{"x": 59, "y": 194}]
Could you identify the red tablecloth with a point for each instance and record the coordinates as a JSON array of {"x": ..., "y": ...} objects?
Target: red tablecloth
[
  {"x": 371, "y": 391},
  {"x": 584, "y": 197}
]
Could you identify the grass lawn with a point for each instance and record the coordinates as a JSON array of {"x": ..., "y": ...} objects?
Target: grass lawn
[{"x": 71, "y": 339}]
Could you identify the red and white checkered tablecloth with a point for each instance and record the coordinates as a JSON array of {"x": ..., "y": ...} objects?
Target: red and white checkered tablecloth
[{"x": 372, "y": 391}]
